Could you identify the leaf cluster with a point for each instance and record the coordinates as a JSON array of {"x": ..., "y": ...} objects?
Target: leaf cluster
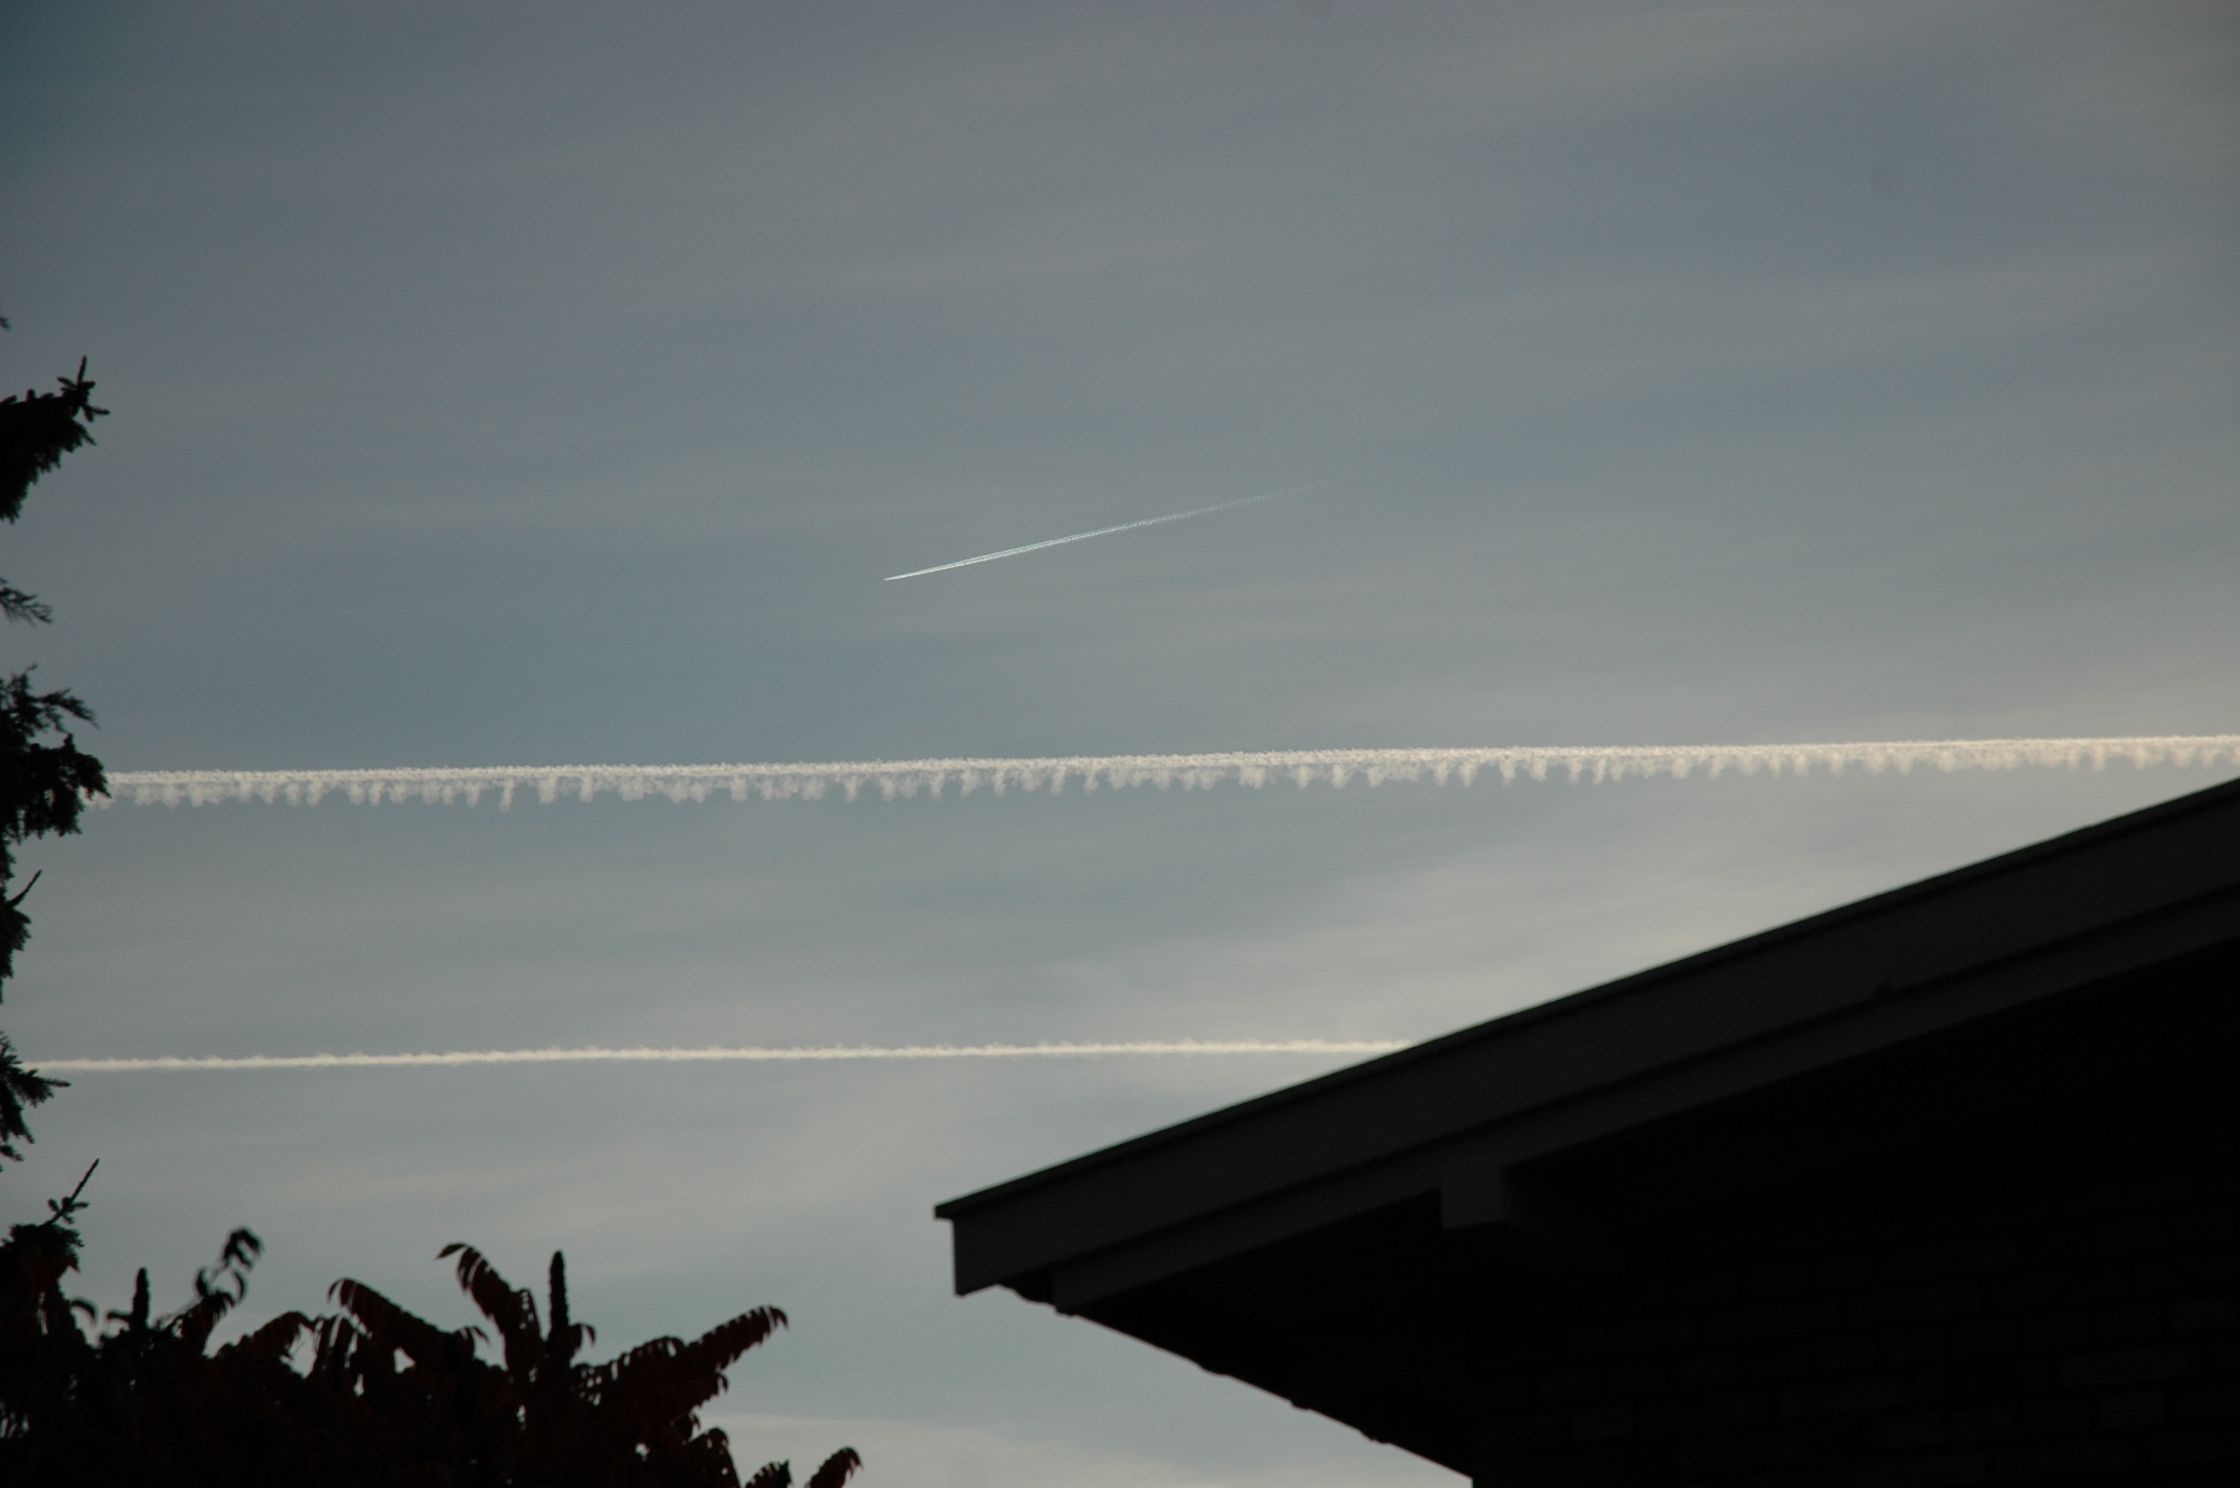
[
  {"x": 380, "y": 1396},
  {"x": 37, "y": 430},
  {"x": 43, "y": 788}
]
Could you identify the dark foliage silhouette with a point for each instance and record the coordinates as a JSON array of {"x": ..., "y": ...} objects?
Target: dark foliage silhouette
[
  {"x": 43, "y": 780},
  {"x": 370, "y": 1395},
  {"x": 37, "y": 430},
  {"x": 382, "y": 1397}
]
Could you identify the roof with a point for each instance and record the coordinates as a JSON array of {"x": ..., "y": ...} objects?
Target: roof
[{"x": 1348, "y": 1172}]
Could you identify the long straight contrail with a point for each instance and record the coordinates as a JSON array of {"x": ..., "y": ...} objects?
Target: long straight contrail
[
  {"x": 891, "y": 779},
  {"x": 717, "y": 1054},
  {"x": 1052, "y": 542}
]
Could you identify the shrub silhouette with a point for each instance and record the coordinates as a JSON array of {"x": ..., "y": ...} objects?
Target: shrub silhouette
[{"x": 383, "y": 1396}]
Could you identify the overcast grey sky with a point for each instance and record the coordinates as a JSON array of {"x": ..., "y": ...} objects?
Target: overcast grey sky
[{"x": 543, "y": 383}]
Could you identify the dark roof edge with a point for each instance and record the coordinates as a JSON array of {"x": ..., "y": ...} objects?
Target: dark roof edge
[{"x": 1570, "y": 1004}]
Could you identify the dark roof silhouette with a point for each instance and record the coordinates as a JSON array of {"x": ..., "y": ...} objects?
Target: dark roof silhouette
[{"x": 1374, "y": 1243}]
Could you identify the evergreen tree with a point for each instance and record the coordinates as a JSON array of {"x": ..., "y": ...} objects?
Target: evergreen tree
[{"x": 43, "y": 780}]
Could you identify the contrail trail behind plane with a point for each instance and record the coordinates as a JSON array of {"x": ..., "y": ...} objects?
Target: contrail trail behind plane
[
  {"x": 904, "y": 779},
  {"x": 1052, "y": 542},
  {"x": 721, "y": 1054}
]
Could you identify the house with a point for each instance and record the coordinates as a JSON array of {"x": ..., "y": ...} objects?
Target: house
[{"x": 1934, "y": 1188}]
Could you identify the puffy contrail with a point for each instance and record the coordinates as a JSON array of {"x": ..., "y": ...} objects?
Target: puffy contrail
[
  {"x": 1303, "y": 767},
  {"x": 750, "y": 1053},
  {"x": 1052, "y": 542}
]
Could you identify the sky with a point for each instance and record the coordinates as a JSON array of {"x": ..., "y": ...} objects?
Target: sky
[{"x": 542, "y": 384}]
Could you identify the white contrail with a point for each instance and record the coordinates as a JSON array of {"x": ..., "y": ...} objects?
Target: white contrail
[
  {"x": 1052, "y": 542},
  {"x": 754, "y": 1054},
  {"x": 1302, "y": 767}
]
